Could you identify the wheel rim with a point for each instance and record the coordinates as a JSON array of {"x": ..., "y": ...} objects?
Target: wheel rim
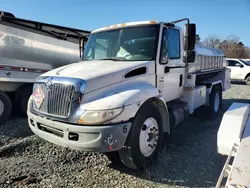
[
  {"x": 149, "y": 137},
  {"x": 216, "y": 102},
  {"x": 1, "y": 107},
  {"x": 248, "y": 81}
]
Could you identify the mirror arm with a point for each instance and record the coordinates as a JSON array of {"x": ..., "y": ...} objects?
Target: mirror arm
[
  {"x": 186, "y": 51},
  {"x": 181, "y": 20}
]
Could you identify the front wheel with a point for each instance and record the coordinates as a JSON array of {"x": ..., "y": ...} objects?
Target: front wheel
[{"x": 144, "y": 139}]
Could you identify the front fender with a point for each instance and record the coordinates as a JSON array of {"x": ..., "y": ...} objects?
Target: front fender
[
  {"x": 129, "y": 96},
  {"x": 119, "y": 96}
]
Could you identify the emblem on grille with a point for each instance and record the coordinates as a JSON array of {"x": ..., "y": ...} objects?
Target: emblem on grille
[
  {"x": 49, "y": 84},
  {"x": 38, "y": 96}
]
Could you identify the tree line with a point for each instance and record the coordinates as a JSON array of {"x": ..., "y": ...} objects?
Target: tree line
[{"x": 232, "y": 46}]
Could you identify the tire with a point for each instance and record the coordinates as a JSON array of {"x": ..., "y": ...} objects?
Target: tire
[
  {"x": 215, "y": 101},
  {"x": 248, "y": 81},
  {"x": 21, "y": 98},
  {"x": 5, "y": 107},
  {"x": 136, "y": 153}
]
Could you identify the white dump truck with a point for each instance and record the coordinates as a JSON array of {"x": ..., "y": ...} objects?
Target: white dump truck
[
  {"x": 28, "y": 49},
  {"x": 137, "y": 81}
]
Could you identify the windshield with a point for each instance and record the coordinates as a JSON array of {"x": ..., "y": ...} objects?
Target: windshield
[
  {"x": 247, "y": 63},
  {"x": 126, "y": 44}
]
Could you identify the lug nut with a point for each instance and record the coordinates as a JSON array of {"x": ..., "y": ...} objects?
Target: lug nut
[{"x": 144, "y": 127}]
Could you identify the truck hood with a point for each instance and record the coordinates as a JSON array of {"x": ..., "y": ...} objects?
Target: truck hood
[{"x": 99, "y": 74}]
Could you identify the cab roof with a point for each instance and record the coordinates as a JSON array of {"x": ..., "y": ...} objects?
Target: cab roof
[{"x": 110, "y": 27}]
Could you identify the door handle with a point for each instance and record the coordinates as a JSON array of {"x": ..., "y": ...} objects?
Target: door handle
[
  {"x": 181, "y": 80},
  {"x": 166, "y": 69}
]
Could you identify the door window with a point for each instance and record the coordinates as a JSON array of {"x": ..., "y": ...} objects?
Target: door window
[
  {"x": 233, "y": 63},
  {"x": 170, "y": 44}
]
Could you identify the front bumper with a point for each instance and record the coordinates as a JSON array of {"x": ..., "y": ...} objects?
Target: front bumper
[{"x": 104, "y": 138}]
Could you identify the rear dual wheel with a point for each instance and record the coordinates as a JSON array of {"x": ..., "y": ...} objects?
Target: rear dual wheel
[
  {"x": 214, "y": 105},
  {"x": 215, "y": 100}
]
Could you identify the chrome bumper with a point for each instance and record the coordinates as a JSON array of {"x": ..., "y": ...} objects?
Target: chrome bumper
[{"x": 103, "y": 138}]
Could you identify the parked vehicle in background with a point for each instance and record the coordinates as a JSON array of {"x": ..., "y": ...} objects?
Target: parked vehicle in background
[
  {"x": 138, "y": 82},
  {"x": 240, "y": 70},
  {"x": 247, "y": 60},
  {"x": 28, "y": 49}
]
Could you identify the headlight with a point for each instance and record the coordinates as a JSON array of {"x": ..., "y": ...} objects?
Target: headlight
[{"x": 99, "y": 116}]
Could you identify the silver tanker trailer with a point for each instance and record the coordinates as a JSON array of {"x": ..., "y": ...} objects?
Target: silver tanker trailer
[{"x": 28, "y": 49}]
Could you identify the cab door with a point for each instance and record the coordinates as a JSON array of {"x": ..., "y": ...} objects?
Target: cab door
[{"x": 170, "y": 65}]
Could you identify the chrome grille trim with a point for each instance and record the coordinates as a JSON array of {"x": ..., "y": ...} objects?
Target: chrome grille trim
[
  {"x": 57, "y": 101},
  {"x": 63, "y": 102}
]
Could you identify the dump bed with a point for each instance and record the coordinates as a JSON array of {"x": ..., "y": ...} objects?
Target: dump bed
[
  {"x": 31, "y": 44},
  {"x": 207, "y": 59}
]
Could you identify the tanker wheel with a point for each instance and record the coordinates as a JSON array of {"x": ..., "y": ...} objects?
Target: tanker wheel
[
  {"x": 5, "y": 107},
  {"x": 21, "y": 98},
  {"x": 145, "y": 138}
]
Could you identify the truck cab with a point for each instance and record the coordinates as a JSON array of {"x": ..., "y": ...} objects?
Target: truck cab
[
  {"x": 240, "y": 69},
  {"x": 136, "y": 82}
]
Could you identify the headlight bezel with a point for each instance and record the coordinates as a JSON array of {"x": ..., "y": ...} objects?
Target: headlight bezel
[{"x": 101, "y": 117}]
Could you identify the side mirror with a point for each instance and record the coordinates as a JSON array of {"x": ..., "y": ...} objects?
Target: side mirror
[
  {"x": 189, "y": 56},
  {"x": 189, "y": 36}
]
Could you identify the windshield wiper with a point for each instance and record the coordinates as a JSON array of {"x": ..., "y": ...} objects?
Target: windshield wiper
[
  {"x": 109, "y": 58},
  {"x": 112, "y": 58}
]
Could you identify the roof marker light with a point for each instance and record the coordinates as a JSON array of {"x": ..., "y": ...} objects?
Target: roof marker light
[{"x": 152, "y": 22}]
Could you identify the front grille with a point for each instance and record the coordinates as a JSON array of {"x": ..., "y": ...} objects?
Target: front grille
[{"x": 57, "y": 99}]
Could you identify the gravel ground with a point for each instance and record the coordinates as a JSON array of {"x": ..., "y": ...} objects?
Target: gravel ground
[{"x": 188, "y": 160}]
